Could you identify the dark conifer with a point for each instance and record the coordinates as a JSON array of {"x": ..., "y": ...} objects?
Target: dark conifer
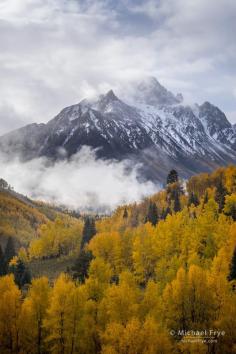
[
  {"x": 193, "y": 199},
  {"x": 2, "y": 263},
  {"x": 89, "y": 230},
  {"x": 168, "y": 211},
  {"x": 220, "y": 195},
  {"x": 233, "y": 212},
  {"x": 177, "y": 206},
  {"x": 232, "y": 269},
  {"x": 172, "y": 177},
  {"x": 152, "y": 215},
  {"x": 81, "y": 266},
  {"x": 21, "y": 274},
  {"x": 125, "y": 215},
  {"x": 9, "y": 251},
  {"x": 206, "y": 198},
  {"x": 165, "y": 213},
  {"x": 134, "y": 218},
  {"x": 3, "y": 184}
]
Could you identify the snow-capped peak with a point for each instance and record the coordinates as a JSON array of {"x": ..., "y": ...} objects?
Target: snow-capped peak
[
  {"x": 149, "y": 91},
  {"x": 155, "y": 125}
]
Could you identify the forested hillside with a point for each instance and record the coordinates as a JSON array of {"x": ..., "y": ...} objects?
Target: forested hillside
[
  {"x": 45, "y": 237},
  {"x": 141, "y": 280},
  {"x": 20, "y": 217}
]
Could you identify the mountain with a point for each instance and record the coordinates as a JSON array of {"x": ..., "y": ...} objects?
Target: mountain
[{"x": 150, "y": 125}]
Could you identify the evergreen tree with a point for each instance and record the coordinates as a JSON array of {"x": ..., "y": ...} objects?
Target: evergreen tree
[
  {"x": 89, "y": 230},
  {"x": 9, "y": 251},
  {"x": 125, "y": 215},
  {"x": 206, "y": 198},
  {"x": 163, "y": 216},
  {"x": 233, "y": 213},
  {"x": 3, "y": 184},
  {"x": 172, "y": 177},
  {"x": 21, "y": 274},
  {"x": 81, "y": 266},
  {"x": 152, "y": 215},
  {"x": 232, "y": 272},
  {"x": 134, "y": 221},
  {"x": 220, "y": 195},
  {"x": 193, "y": 199},
  {"x": 177, "y": 206},
  {"x": 165, "y": 213},
  {"x": 2, "y": 263}
]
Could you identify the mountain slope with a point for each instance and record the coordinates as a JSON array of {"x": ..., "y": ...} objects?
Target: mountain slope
[
  {"x": 152, "y": 127},
  {"x": 20, "y": 217}
]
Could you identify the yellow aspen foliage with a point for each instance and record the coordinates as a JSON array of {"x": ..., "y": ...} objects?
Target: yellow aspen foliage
[
  {"x": 10, "y": 305},
  {"x": 192, "y": 346},
  {"x": 144, "y": 257},
  {"x": 155, "y": 338},
  {"x": 135, "y": 337},
  {"x": 100, "y": 274},
  {"x": 33, "y": 313},
  {"x": 111, "y": 338},
  {"x": 200, "y": 298},
  {"x": 108, "y": 247},
  {"x": 22, "y": 255},
  {"x": 89, "y": 331},
  {"x": 13, "y": 261},
  {"x": 125, "y": 339},
  {"x": 230, "y": 179},
  {"x": 176, "y": 302},
  {"x": 18, "y": 219},
  {"x": 189, "y": 300},
  {"x": 205, "y": 231},
  {"x": 58, "y": 319},
  {"x": 230, "y": 205},
  {"x": 120, "y": 302},
  {"x": 151, "y": 301},
  {"x": 227, "y": 323},
  {"x": 57, "y": 238},
  {"x": 131, "y": 341},
  {"x": 77, "y": 321}
]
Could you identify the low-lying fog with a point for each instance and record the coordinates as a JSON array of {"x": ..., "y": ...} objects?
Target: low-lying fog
[{"x": 83, "y": 182}]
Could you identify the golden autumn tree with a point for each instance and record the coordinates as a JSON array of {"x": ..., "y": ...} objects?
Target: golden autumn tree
[
  {"x": 135, "y": 337},
  {"x": 175, "y": 302},
  {"x": 10, "y": 305},
  {"x": 34, "y": 309},
  {"x": 58, "y": 319},
  {"x": 120, "y": 302}
]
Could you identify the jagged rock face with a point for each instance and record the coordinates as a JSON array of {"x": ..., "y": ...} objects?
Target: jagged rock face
[
  {"x": 156, "y": 129},
  {"x": 217, "y": 125}
]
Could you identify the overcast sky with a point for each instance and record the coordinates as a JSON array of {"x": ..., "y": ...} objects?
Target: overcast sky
[{"x": 53, "y": 53}]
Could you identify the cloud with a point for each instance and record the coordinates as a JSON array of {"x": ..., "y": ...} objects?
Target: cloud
[
  {"x": 83, "y": 182},
  {"x": 10, "y": 119},
  {"x": 53, "y": 53}
]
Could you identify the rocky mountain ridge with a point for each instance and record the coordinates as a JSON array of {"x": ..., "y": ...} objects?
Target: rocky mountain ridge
[{"x": 156, "y": 130}]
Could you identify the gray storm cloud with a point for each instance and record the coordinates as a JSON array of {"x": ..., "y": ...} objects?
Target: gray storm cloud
[{"x": 83, "y": 182}]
